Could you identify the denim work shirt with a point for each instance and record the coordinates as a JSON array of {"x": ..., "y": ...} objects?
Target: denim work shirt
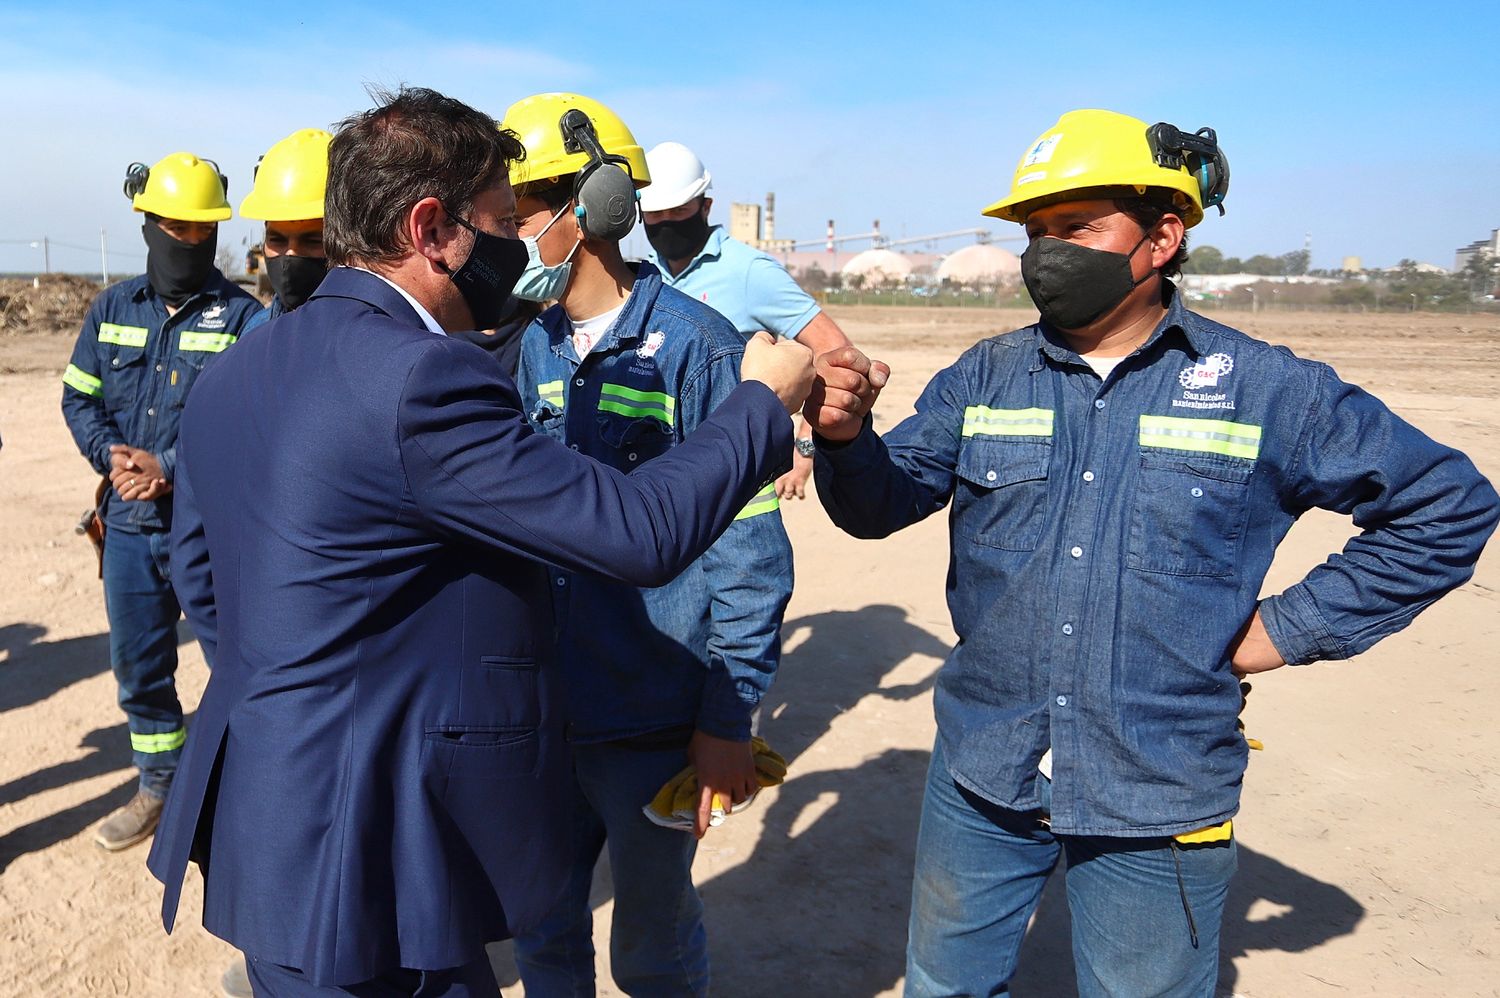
[
  {"x": 1109, "y": 540},
  {"x": 130, "y": 374},
  {"x": 700, "y": 651}
]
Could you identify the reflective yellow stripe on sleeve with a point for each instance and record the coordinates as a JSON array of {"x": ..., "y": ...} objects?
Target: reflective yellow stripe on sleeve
[
  {"x": 982, "y": 421},
  {"x": 123, "y": 336},
  {"x": 764, "y": 501},
  {"x": 1206, "y": 436},
  {"x": 80, "y": 380},
  {"x": 164, "y": 742},
  {"x": 197, "y": 341}
]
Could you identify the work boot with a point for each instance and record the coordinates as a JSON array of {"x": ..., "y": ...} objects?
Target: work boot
[
  {"x": 131, "y": 823},
  {"x": 235, "y": 983}
]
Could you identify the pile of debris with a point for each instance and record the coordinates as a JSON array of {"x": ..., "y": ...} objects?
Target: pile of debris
[{"x": 50, "y": 303}]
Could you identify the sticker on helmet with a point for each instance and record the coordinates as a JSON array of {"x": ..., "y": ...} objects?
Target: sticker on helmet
[{"x": 1042, "y": 151}]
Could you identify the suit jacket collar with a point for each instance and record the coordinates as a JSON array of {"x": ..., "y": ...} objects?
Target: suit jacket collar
[{"x": 360, "y": 285}]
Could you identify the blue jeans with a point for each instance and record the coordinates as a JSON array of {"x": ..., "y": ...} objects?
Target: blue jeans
[
  {"x": 143, "y": 615},
  {"x": 657, "y": 943},
  {"x": 980, "y": 871}
]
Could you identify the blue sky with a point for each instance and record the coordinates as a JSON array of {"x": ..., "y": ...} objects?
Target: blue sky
[{"x": 1373, "y": 126}]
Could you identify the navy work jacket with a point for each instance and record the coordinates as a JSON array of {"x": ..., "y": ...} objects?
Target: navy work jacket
[
  {"x": 130, "y": 375},
  {"x": 1109, "y": 540},
  {"x": 376, "y": 777},
  {"x": 701, "y": 651}
]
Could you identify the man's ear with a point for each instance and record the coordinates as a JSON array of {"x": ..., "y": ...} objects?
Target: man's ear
[
  {"x": 707, "y": 204},
  {"x": 430, "y": 230},
  {"x": 1166, "y": 237}
]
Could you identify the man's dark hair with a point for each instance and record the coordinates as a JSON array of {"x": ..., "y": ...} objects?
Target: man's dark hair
[
  {"x": 554, "y": 192},
  {"x": 415, "y": 143},
  {"x": 1148, "y": 209}
]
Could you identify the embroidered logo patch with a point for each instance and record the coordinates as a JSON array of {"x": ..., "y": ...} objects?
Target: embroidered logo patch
[
  {"x": 654, "y": 342},
  {"x": 1207, "y": 372}
]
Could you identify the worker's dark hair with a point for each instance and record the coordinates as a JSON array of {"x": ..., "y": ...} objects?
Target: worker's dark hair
[
  {"x": 1147, "y": 209},
  {"x": 415, "y": 143},
  {"x": 554, "y": 192}
]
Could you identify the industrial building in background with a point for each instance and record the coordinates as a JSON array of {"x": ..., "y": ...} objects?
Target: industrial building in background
[{"x": 980, "y": 266}]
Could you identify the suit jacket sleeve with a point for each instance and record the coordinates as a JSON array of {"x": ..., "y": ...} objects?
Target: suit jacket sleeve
[
  {"x": 477, "y": 471},
  {"x": 192, "y": 577}
]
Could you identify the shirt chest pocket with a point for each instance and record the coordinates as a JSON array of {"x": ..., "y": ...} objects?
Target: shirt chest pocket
[
  {"x": 195, "y": 348},
  {"x": 124, "y": 378},
  {"x": 634, "y": 439},
  {"x": 1189, "y": 513},
  {"x": 1000, "y": 497}
]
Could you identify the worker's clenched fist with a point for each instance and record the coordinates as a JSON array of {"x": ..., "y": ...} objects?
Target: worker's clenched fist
[
  {"x": 848, "y": 385},
  {"x": 783, "y": 366}
]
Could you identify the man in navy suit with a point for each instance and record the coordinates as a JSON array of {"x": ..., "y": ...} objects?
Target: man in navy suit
[{"x": 373, "y": 786}]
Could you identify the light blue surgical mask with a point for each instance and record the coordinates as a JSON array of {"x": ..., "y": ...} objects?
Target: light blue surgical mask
[{"x": 538, "y": 281}]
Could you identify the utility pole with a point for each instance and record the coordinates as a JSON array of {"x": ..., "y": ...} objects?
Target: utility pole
[
  {"x": 46, "y": 256},
  {"x": 104, "y": 258}
]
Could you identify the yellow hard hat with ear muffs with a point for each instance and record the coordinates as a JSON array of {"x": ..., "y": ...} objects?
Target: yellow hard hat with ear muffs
[
  {"x": 604, "y": 199},
  {"x": 1094, "y": 153},
  {"x": 180, "y": 186}
]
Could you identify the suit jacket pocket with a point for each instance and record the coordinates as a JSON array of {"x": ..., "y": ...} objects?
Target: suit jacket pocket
[
  {"x": 501, "y": 692},
  {"x": 463, "y": 754}
]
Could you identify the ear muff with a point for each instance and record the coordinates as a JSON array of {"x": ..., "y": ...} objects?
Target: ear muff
[
  {"x": 223, "y": 180},
  {"x": 1199, "y": 152},
  {"x": 136, "y": 175},
  {"x": 605, "y": 196}
]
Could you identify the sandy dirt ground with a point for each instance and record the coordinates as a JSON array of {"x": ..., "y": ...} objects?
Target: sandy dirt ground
[{"x": 1367, "y": 865}]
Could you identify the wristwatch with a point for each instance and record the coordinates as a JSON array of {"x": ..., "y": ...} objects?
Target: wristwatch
[{"x": 805, "y": 446}]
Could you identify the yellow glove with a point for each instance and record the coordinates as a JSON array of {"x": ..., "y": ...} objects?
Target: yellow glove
[
  {"x": 1239, "y": 723},
  {"x": 676, "y": 803}
]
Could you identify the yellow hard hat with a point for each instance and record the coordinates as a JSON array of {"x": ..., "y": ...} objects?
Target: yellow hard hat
[
  {"x": 181, "y": 186},
  {"x": 537, "y": 120},
  {"x": 290, "y": 179},
  {"x": 1088, "y": 150}
]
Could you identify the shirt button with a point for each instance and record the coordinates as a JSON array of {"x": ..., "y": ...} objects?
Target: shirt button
[
  {"x": 631, "y": 455},
  {"x": 115, "y": 362},
  {"x": 1197, "y": 493},
  {"x": 151, "y": 412},
  {"x": 1076, "y": 552},
  {"x": 1098, "y": 403},
  {"x": 990, "y": 476},
  {"x": 1062, "y": 701},
  {"x": 561, "y": 581},
  {"x": 573, "y": 446},
  {"x": 578, "y": 382},
  {"x": 1067, "y": 628},
  {"x": 1088, "y": 476},
  {"x": 158, "y": 368}
]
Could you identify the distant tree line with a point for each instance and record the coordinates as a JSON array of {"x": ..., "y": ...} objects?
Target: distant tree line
[{"x": 1210, "y": 260}]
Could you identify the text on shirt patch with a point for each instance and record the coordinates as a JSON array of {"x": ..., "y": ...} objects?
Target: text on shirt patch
[
  {"x": 1206, "y": 373},
  {"x": 654, "y": 342},
  {"x": 212, "y": 317}
]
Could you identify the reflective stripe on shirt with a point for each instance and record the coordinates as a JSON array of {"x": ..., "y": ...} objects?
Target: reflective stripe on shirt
[
  {"x": 1206, "y": 436},
  {"x": 980, "y": 420}
]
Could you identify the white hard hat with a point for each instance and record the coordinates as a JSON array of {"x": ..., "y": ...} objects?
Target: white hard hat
[{"x": 677, "y": 176}]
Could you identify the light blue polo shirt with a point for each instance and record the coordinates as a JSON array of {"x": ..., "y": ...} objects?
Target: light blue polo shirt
[{"x": 746, "y": 286}]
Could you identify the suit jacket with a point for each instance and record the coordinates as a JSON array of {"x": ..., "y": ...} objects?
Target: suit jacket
[{"x": 375, "y": 775}]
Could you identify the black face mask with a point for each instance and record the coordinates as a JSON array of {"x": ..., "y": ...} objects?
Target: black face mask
[
  {"x": 1074, "y": 285},
  {"x": 177, "y": 270},
  {"x": 295, "y": 278},
  {"x": 488, "y": 276},
  {"x": 678, "y": 240}
]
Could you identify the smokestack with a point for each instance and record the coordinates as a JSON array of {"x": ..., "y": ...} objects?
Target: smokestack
[
  {"x": 770, "y": 215},
  {"x": 830, "y": 235}
]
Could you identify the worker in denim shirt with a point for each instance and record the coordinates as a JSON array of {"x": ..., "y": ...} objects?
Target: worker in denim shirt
[
  {"x": 143, "y": 344},
  {"x": 1121, "y": 474},
  {"x": 621, "y": 369}
]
